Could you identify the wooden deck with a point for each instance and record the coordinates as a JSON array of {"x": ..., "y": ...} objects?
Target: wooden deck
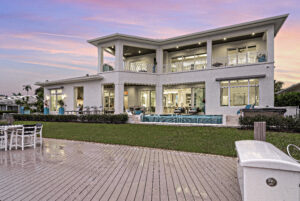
[{"x": 67, "y": 170}]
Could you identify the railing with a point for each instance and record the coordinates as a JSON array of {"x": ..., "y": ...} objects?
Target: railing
[
  {"x": 141, "y": 68},
  {"x": 180, "y": 67},
  {"x": 239, "y": 59}
]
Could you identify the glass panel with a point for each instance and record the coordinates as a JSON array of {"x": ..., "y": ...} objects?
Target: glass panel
[
  {"x": 224, "y": 97},
  {"x": 238, "y": 96},
  {"x": 232, "y": 56},
  {"x": 200, "y": 61},
  {"x": 53, "y": 103},
  {"x": 78, "y": 98},
  {"x": 59, "y": 91},
  {"x": 53, "y": 91},
  {"x": 153, "y": 99},
  {"x": 199, "y": 97},
  {"x": 242, "y": 55},
  {"x": 234, "y": 83},
  {"x": 224, "y": 83},
  {"x": 254, "y": 82},
  {"x": 252, "y": 54},
  {"x": 188, "y": 64},
  {"x": 254, "y": 95}
]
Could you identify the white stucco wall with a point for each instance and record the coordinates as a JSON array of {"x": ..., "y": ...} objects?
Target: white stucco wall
[{"x": 91, "y": 94}]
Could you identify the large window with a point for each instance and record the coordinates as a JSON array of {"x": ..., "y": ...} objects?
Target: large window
[
  {"x": 242, "y": 55},
  {"x": 188, "y": 63},
  {"x": 239, "y": 92},
  {"x": 78, "y": 98},
  {"x": 109, "y": 98},
  {"x": 55, "y": 96}
]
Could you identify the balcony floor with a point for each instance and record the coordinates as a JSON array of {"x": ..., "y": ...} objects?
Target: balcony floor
[{"x": 68, "y": 170}]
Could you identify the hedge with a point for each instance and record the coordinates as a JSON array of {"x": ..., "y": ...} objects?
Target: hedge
[
  {"x": 103, "y": 118},
  {"x": 4, "y": 112},
  {"x": 278, "y": 123}
]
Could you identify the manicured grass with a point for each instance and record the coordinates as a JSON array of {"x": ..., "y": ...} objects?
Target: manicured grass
[{"x": 210, "y": 140}]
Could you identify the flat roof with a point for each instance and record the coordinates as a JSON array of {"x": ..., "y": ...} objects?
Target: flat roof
[
  {"x": 276, "y": 20},
  {"x": 70, "y": 80}
]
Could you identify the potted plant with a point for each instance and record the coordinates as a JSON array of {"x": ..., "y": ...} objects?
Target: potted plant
[
  {"x": 46, "y": 107},
  {"x": 61, "y": 109}
]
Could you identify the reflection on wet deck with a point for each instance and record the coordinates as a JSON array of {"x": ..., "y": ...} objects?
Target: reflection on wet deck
[{"x": 67, "y": 170}]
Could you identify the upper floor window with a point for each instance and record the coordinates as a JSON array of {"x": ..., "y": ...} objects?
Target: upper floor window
[
  {"x": 239, "y": 92},
  {"x": 188, "y": 63},
  {"x": 242, "y": 55}
]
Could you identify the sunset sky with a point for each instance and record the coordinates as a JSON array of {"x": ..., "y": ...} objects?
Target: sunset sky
[{"x": 46, "y": 40}]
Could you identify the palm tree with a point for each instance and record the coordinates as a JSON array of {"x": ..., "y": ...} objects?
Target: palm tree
[{"x": 27, "y": 88}]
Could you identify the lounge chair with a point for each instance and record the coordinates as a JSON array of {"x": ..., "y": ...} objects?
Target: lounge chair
[{"x": 246, "y": 107}]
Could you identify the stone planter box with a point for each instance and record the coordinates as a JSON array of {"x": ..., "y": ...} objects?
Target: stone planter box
[{"x": 270, "y": 112}]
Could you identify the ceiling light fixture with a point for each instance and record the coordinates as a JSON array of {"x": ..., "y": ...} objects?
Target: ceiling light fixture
[
  {"x": 139, "y": 51},
  {"x": 199, "y": 43},
  {"x": 253, "y": 34},
  {"x": 177, "y": 47},
  {"x": 225, "y": 38}
]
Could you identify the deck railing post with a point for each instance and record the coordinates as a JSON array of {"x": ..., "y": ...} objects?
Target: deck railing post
[{"x": 260, "y": 131}]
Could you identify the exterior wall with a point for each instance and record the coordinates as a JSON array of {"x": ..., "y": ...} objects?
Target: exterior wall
[{"x": 91, "y": 94}]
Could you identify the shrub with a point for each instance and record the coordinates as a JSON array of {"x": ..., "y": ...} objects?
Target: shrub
[
  {"x": 273, "y": 123},
  {"x": 4, "y": 112},
  {"x": 104, "y": 118},
  {"x": 288, "y": 99}
]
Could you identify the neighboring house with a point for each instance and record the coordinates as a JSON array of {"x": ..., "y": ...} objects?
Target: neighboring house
[
  {"x": 223, "y": 69},
  {"x": 8, "y": 103},
  {"x": 293, "y": 88}
]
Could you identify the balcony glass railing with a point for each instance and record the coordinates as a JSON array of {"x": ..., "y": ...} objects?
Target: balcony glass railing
[
  {"x": 140, "y": 67},
  {"x": 239, "y": 59}
]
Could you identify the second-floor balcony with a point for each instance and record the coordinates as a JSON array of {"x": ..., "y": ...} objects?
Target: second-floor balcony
[
  {"x": 235, "y": 59},
  {"x": 210, "y": 54}
]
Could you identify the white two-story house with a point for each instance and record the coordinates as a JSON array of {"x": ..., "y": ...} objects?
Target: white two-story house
[{"x": 219, "y": 71}]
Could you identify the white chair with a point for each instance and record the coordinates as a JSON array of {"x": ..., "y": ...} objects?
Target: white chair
[
  {"x": 39, "y": 134},
  {"x": 27, "y": 132},
  {"x": 3, "y": 138}
]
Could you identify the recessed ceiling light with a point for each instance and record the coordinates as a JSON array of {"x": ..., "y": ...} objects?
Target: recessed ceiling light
[
  {"x": 177, "y": 47},
  {"x": 139, "y": 51},
  {"x": 225, "y": 38},
  {"x": 199, "y": 43},
  {"x": 253, "y": 34}
]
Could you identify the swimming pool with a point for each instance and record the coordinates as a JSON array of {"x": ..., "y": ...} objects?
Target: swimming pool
[{"x": 200, "y": 119}]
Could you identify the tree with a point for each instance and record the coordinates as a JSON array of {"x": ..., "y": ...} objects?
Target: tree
[
  {"x": 287, "y": 99},
  {"x": 27, "y": 88},
  {"x": 39, "y": 92},
  {"x": 278, "y": 86}
]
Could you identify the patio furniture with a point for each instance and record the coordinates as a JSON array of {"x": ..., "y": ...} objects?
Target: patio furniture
[
  {"x": 246, "y": 107},
  {"x": 39, "y": 134},
  {"x": 194, "y": 110},
  {"x": 3, "y": 138},
  {"x": 27, "y": 132},
  {"x": 179, "y": 110}
]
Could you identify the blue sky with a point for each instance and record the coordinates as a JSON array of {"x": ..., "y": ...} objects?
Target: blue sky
[{"x": 42, "y": 40}]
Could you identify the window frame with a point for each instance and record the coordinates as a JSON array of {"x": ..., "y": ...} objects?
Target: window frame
[
  {"x": 56, "y": 94},
  {"x": 229, "y": 87}
]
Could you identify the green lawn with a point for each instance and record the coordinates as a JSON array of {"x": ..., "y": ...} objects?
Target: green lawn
[{"x": 210, "y": 140}]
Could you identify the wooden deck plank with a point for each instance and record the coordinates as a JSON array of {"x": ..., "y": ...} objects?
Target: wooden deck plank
[{"x": 68, "y": 170}]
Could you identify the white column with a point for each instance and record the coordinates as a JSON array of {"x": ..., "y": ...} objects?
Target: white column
[
  {"x": 101, "y": 96},
  {"x": 100, "y": 59},
  {"x": 119, "y": 98},
  {"x": 159, "y": 60},
  {"x": 119, "y": 56},
  {"x": 209, "y": 53},
  {"x": 159, "y": 99},
  {"x": 270, "y": 44}
]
